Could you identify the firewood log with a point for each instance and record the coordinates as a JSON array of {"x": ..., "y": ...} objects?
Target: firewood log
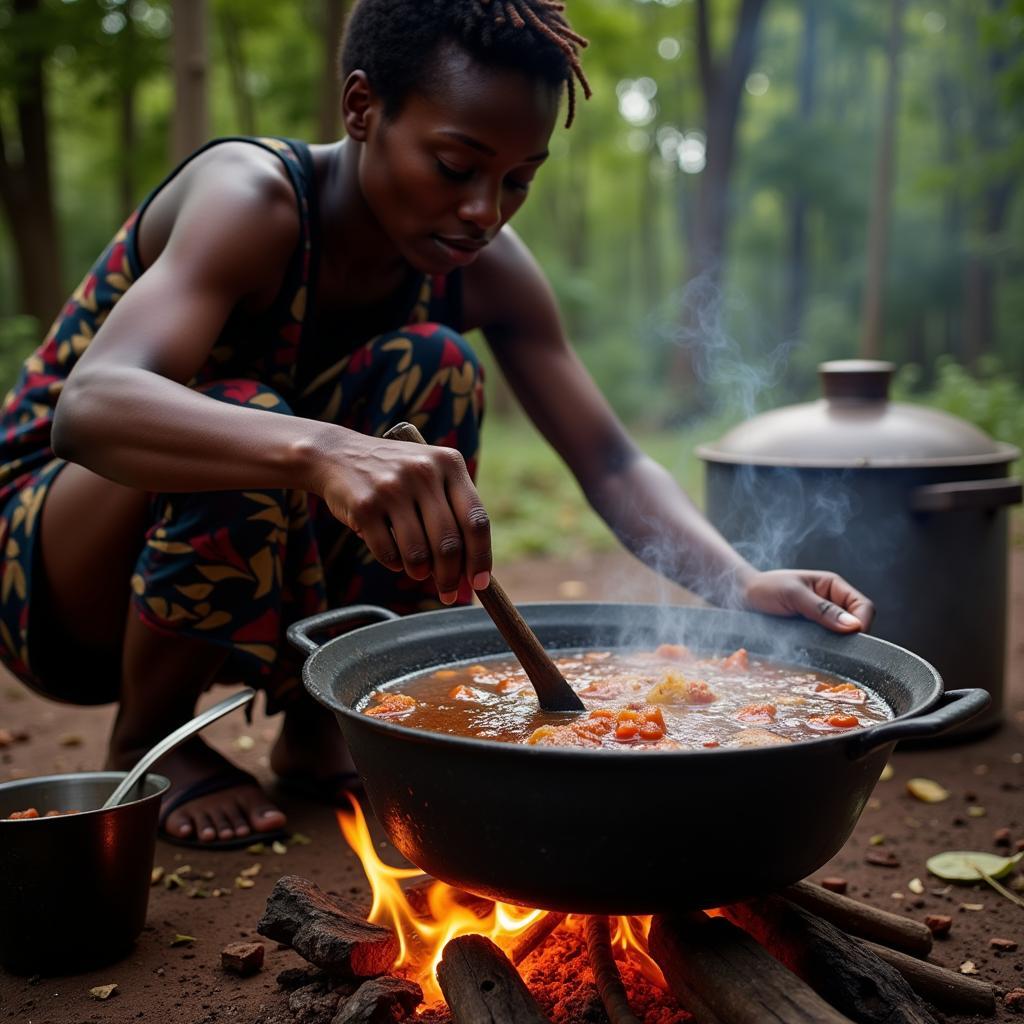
[
  {"x": 481, "y": 985},
  {"x": 722, "y": 976}
]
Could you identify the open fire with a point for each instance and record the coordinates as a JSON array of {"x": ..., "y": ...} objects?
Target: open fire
[
  {"x": 804, "y": 954},
  {"x": 426, "y": 917}
]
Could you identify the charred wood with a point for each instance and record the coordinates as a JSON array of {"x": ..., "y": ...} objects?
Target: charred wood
[
  {"x": 526, "y": 942},
  {"x": 606, "y": 973},
  {"x": 948, "y": 990},
  {"x": 862, "y": 920},
  {"x": 480, "y": 984},
  {"x": 840, "y": 969},
  {"x": 380, "y": 1001},
  {"x": 324, "y": 932},
  {"x": 722, "y": 976}
]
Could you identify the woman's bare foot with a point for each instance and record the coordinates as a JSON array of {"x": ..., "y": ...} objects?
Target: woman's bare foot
[{"x": 236, "y": 810}]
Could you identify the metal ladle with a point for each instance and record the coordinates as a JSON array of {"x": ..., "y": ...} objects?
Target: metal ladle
[
  {"x": 168, "y": 743},
  {"x": 553, "y": 692}
]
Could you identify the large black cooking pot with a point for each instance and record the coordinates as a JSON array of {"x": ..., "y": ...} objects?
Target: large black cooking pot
[
  {"x": 909, "y": 504},
  {"x": 616, "y": 832}
]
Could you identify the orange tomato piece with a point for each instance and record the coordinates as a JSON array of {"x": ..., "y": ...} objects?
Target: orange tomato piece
[
  {"x": 510, "y": 684},
  {"x": 757, "y": 713},
  {"x": 602, "y": 713},
  {"x": 627, "y": 730},
  {"x": 710, "y": 744},
  {"x": 841, "y": 721},
  {"x": 445, "y": 673},
  {"x": 17, "y": 815},
  {"x": 651, "y": 730},
  {"x": 461, "y": 692}
]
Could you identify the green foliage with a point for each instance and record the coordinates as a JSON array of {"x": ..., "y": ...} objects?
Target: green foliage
[
  {"x": 19, "y": 335},
  {"x": 535, "y": 506},
  {"x": 992, "y": 400}
]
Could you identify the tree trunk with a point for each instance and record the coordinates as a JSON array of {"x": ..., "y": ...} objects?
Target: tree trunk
[
  {"x": 191, "y": 70},
  {"x": 796, "y": 291},
  {"x": 26, "y": 184},
  {"x": 722, "y": 88},
  {"x": 238, "y": 71},
  {"x": 330, "y": 80},
  {"x": 872, "y": 312}
]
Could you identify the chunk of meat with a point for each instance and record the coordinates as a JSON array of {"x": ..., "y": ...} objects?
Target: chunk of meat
[
  {"x": 846, "y": 692},
  {"x": 673, "y": 652},
  {"x": 31, "y": 812},
  {"x": 761, "y": 713},
  {"x": 737, "y": 660},
  {"x": 677, "y": 689},
  {"x": 391, "y": 705},
  {"x": 640, "y": 721},
  {"x": 758, "y": 738}
]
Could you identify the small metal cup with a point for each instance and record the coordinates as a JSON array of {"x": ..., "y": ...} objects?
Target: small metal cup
[{"x": 74, "y": 888}]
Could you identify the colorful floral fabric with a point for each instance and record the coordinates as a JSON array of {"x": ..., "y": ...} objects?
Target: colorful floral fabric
[{"x": 235, "y": 568}]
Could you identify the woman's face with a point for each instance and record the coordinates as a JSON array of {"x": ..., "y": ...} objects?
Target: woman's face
[{"x": 449, "y": 170}]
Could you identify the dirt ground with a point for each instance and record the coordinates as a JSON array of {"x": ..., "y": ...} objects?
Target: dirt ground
[{"x": 185, "y": 984}]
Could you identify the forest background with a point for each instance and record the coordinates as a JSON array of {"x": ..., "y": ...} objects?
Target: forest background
[{"x": 755, "y": 186}]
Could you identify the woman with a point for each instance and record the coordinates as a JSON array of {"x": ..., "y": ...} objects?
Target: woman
[{"x": 213, "y": 469}]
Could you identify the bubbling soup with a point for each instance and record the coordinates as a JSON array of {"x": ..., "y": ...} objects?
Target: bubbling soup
[{"x": 665, "y": 699}]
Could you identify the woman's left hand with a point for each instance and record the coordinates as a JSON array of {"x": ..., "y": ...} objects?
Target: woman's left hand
[{"x": 822, "y": 597}]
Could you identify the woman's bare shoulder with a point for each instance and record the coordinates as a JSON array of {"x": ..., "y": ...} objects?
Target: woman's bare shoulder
[{"x": 234, "y": 187}]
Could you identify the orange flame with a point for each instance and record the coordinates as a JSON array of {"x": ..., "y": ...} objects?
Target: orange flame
[{"x": 422, "y": 939}]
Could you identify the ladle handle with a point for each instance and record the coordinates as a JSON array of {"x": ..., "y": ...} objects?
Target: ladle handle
[
  {"x": 553, "y": 692},
  {"x": 168, "y": 743}
]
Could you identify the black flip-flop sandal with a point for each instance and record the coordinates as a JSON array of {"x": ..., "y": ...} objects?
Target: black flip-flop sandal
[{"x": 227, "y": 779}]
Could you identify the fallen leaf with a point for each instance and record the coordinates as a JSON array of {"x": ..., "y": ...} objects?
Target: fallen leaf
[
  {"x": 967, "y": 967},
  {"x": 256, "y": 849},
  {"x": 244, "y": 883},
  {"x": 887, "y": 773},
  {"x": 298, "y": 839},
  {"x": 877, "y": 840},
  {"x": 974, "y": 811},
  {"x": 183, "y": 940},
  {"x": 252, "y": 871},
  {"x": 155, "y": 875},
  {"x": 916, "y": 886},
  {"x": 195, "y": 893},
  {"x": 928, "y": 791},
  {"x": 173, "y": 881},
  {"x": 278, "y": 847},
  {"x": 972, "y": 906},
  {"x": 103, "y": 991},
  {"x": 970, "y": 866},
  {"x": 70, "y": 739}
]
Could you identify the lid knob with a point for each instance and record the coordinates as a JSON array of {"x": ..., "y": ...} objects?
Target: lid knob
[{"x": 865, "y": 379}]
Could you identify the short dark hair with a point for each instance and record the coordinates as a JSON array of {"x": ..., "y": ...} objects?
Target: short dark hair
[{"x": 393, "y": 41}]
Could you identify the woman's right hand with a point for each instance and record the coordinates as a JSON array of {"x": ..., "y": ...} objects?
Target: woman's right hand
[{"x": 414, "y": 506}]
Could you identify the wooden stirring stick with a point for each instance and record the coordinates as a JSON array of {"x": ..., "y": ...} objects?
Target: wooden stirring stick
[{"x": 553, "y": 692}]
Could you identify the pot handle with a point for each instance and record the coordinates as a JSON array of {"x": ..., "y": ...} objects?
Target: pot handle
[
  {"x": 954, "y": 708},
  {"x": 967, "y": 494},
  {"x": 298, "y": 632}
]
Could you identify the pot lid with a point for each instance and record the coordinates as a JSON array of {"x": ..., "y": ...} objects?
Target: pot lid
[{"x": 855, "y": 425}]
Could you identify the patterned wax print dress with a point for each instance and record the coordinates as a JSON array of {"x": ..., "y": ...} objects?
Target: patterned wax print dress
[{"x": 235, "y": 568}]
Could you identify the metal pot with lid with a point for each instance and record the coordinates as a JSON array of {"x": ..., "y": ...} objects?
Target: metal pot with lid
[{"x": 908, "y": 503}]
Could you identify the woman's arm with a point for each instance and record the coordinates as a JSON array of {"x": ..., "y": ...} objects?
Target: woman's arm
[
  {"x": 508, "y": 296},
  {"x": 127, "y": 413}
]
